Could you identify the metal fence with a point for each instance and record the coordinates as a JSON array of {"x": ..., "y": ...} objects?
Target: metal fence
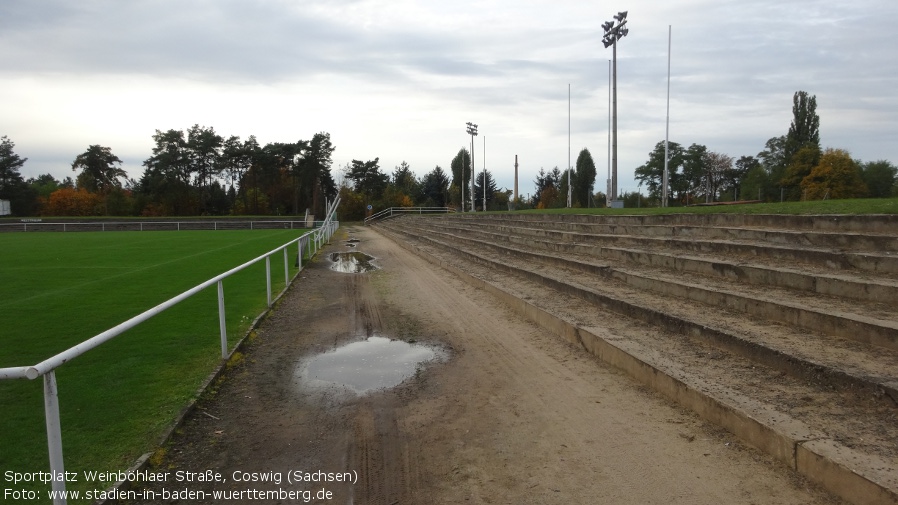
[
  {"x": 398, "y": 211},
  {"x": 223, "y": 224},
  {"x": 311, "y": 242}
]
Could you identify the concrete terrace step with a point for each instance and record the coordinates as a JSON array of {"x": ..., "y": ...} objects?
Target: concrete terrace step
[
  {"x": 760, "y": 404},
  {"x": 875, "y": 224},
  {"x": 855, "y": 285},
  {"x": 880, "y": 262},
  {"x": 844, "y": 241},
  {"x": 858, "y": 366}
]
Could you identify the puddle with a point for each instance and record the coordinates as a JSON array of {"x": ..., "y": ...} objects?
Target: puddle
[
  {"x": 353, "y": 241},
  {"x": 369, "y": 365},
  {"x": 349, "y": 244},
  {"x": 353, "y": 262}
]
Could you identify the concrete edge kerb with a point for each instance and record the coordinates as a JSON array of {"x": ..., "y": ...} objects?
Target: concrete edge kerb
[{"x": 828, "y": 468}]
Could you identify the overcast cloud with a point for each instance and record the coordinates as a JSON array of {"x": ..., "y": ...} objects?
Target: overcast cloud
[{"x": 398, "y": 80}]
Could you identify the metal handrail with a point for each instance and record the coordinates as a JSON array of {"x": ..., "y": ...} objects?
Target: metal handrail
[
  {"x": 141, "y": 225},
  {"x": 390, "y": 212},
  {"x": 47, "y": 368}
]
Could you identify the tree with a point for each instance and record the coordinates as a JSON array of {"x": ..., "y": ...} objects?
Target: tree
[
  {"x": 203, "y": 153},
  {"x": 880, "y": 178},
  {"x": 736, "y": 176},
  {"x": 585, "y": 179},
  {"x": 461, "y": 175},
  {"x": 651, "y": 174},
  {"x": 800, "y": 166},
  {"x": 805, "y": 127},
  {"x": 563, "y": 178},
  {"x": 10, "y": 164},
  {"x": 694, "y": 173},
  {"x": 315, "y": 177},
  {"x": 73, "y": 202},
  {"x": 435, "y": 188},
  {"x": 547, "y": 195},
  {"x": 165, "y": 184},
  {"x": 547, "y": 184},
  {"x": 101, "y": 171},
  {"x": 490, "y": 190},
  {"x": 755, "y": 184},
  {"x": 717, "y": 167},
  {"x": 404, "y": 181},
  {"x": 836, "y": 176},
  {"x": 236, "y": 159},
  {"x": 368, "y": 180},
  {"x": 23, "y": 199}
]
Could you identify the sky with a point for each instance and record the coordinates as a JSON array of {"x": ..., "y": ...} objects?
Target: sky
[{"x": 399, "y": 79}]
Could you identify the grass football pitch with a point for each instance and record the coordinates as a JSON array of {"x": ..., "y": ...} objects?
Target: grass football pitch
[{"x": 59, "y": 289}]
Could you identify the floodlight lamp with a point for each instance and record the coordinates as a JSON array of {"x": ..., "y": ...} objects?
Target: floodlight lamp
[
  {"x": 624, "y": 32},
  {"x": 607, "y": 26},
  {"x": 607, "y": 42},
  {"x": 622, "y": 15}
]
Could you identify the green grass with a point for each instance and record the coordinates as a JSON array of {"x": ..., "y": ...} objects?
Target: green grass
[
  {"x": 857, "y": 206},
  {"x": 59, "y": 289}
]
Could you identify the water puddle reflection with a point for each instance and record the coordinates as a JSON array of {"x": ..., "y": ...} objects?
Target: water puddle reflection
[
  {"x": 369, "y": 365},
  {"x": 353, "y": 262}
]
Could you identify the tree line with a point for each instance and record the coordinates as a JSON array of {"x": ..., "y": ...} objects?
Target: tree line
[
  {"x": 791, "y": 167},
  {"x": 197, "y": 172},
  {"x": 364, "y": 184}
]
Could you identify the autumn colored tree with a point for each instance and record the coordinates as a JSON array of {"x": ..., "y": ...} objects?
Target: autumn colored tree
[
  {"x": 73, "y": 202},
  {"x": 800, "y": 166},
  {"x": 836, "y": 176}
]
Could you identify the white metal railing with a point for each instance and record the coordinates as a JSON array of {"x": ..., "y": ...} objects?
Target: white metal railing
[
  {"x": 394, "y": 211},
  {"x": 312, "y": 241},
  {"x": 223, "y": 224}
]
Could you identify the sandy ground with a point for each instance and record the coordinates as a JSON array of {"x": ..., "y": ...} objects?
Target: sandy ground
[{"x": 510, "y": 414}]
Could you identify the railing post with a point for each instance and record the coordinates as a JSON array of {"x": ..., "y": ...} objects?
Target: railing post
[
  {"x": 286, "y": 270},
  {"x": 54, "y": 435},
  {"x": 268, "y": 277},
  {"x": 222, "y": 326}
]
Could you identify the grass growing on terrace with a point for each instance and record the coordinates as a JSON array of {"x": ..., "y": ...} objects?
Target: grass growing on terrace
[{"x": 59, "y": 289}]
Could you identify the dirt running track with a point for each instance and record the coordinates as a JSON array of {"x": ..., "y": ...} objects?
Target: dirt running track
[{"x": 514, "y": 415}]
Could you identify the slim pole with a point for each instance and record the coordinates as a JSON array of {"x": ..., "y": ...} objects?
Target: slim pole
[
  {"x": 569, "y": 145},
  {"x": 54, "y": 434},
  {"x": 667, "y": 125},
  {"x": 608, "y": 179},
  {"x": 222, "y": 325},
  {"x": 614, "y": 122},
  {"x": 473, "y": 209},
  {"x": 484, "y": 173},
  {"x": 463, "y": 167}
]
